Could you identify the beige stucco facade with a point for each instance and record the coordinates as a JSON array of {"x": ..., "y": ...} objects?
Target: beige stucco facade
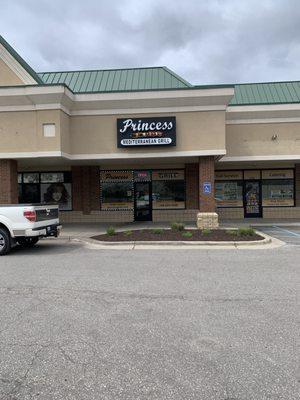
[
  {"x": 263, "y": 139},
  {"x": 7, "y": 76}
]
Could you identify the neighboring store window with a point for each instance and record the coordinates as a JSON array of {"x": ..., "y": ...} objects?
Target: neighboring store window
[
  {"x": 48, "y": 188},
  {"x": 168, "y": 189},
  {"x": 229, "y": 188},
  {"x": 116, "y": 190},
  {"x": 31, "y": 193},
  {"x": 278, "y": 188}
]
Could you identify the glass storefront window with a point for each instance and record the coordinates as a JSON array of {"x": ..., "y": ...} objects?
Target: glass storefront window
[
  {"x": 55, "y": 188},
  {"x": 278, "y": 192},
  {"x": 229, "y": 193},
  {"x": 116, "y": 196},
  {"x": 168, "y": 195},
  {"x": 31, "y": 177},
  {"x": 31, "y": 193},
  {"x": 50, "y": 177}
]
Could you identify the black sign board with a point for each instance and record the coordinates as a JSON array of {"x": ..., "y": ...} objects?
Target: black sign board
[{"x": 134, "y": 132}]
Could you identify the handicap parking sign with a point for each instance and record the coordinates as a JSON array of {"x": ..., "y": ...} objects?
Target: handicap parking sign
[{"x": 207, "y": 187}]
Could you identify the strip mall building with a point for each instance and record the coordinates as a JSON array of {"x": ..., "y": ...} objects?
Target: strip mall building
[{"x": 144, "y": 144}]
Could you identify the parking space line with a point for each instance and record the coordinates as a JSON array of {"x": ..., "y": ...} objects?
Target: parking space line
[{"x": 287, "y": 231}]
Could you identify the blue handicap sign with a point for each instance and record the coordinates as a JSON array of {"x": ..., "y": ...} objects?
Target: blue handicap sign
[{"x": 207, "y": 187}]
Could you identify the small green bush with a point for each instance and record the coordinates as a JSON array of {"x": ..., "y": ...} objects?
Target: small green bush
[
  {"x": 177, "y": 226},
  {"x": 233, "y": 232},
  {"x": 206, "y": 231},
  {"x": 157, "y": 231},
  {"x": 187, "y": 234},
  {"x": 110, "y": 231},
  {"x": 246, "y": 231},
  {"x": 127, "y": 233}
]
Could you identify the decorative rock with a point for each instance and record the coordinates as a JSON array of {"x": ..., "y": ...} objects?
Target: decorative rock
[{"x": 207, "y": 220}]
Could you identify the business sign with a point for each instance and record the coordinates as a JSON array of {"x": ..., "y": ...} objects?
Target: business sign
[
  {"x": 278, "y": 174},
  {"x": 168, "y": 175},
  {"x": 133, "y": 132},
  {"x": 115, "y": 176},
  {"x": 228, "y": 175}
]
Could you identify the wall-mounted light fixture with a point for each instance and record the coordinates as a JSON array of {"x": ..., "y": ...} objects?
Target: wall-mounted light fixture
[{"x": 274, "y": 137}]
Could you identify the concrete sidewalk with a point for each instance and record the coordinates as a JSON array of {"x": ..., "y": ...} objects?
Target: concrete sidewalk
[{"x": 86, "y": 230}]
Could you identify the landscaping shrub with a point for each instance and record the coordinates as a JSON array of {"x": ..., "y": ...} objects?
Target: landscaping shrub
[
  {"x": 157, "y": 231},
  {"x": 177, "y": 226},
  {"x": 110, "y": 231},
  {"x": 206, "y": 231},
  {"x": 233, "y": 232},
  {"x": 246, "y": 231},
  {"x": 187, "y": 234},
  {"x": 127, "y": 233},
  {"x": 242, "y": 232}
]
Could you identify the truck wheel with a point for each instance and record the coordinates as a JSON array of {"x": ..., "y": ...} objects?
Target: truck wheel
[
  {"x": 27, "y": 241},
  {"x": 5, "y": 244}
]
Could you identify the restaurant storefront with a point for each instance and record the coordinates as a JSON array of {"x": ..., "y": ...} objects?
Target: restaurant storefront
[{"x": 145, "y": 145}]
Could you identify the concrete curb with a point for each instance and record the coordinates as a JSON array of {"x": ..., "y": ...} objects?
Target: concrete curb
[{"x": 267, "y": 242}]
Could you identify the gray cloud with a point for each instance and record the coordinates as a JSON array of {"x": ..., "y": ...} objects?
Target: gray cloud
[{"x": 216, "y": 41}]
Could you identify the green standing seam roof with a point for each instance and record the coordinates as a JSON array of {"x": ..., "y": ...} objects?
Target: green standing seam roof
[
  {"x": 161, "y": 78},
  {"x": 116, "y": 80},
  {"x": 266, "y": 93},
  {"x": 20, "y": 60}
]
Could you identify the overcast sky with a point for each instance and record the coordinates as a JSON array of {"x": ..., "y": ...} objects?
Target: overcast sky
[{"x": 212, "y": 41}]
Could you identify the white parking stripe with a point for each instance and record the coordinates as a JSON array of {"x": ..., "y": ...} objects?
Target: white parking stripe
[{"x": 287, "y": 231}]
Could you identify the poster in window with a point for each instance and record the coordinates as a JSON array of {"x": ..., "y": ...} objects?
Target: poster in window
[
  {"x": 57, "y": 193},
  {"x": 278, "y": 193},
  {"x": 229, "y": 194}
]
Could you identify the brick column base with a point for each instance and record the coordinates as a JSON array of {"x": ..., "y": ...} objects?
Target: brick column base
[
  {"x": 8, "y": 182},
  {"x": 86, "y": 188}
]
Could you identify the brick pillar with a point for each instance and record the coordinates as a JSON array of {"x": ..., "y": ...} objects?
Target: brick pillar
[
  {"x": 192, "y": 186},
  {"x": 85, "y": 188},
  {"x": 95, "y": 187},
  {"x": 207, "y": 174},
  {"x": 297, "y": 184},
  {"x": 8, "y": 182},
  {"x": 77, "y": 188}
]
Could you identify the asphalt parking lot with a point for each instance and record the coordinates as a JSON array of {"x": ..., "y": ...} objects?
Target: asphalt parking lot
[
  {"x": 77, "y": 323},
  {"x": 288, "y": 234}
]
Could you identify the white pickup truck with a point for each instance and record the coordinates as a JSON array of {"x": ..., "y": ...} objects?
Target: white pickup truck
[{"x": 24, "y": 224}]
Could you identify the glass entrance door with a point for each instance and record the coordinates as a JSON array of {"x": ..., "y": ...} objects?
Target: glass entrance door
[
  {"x": 252, "y": 199},
  {"x": 142, "y": 201}
]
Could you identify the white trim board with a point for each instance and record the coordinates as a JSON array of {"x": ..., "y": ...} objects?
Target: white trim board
[
  {"x": 56, "y": 106},
  {"x": 261, "y": 158},
  {"x": 264, "y": 107},
  {"x": 31, "y": 154},
  {"x": 113, "y": 156},
  {"x": 16, "y": 67},
  {"x": 262, "y": 121}
]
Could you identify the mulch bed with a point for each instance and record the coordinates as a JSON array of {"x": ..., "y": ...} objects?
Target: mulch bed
[{"x": 148, "y": 235}]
